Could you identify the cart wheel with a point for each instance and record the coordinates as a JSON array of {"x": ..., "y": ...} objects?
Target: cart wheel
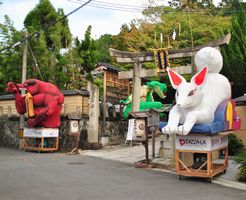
[
  {"x": 224, "y": 172},
  {"x": 210, "y": 180},
  {"x": 180, "y": 177}
]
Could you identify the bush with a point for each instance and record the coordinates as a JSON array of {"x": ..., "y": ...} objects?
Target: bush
[
  {"x": 235, "y": 145},
  {"x": 241, "y": 159}
]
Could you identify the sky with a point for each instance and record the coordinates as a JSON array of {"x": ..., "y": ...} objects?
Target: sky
[{"x": 103, "y": 21}]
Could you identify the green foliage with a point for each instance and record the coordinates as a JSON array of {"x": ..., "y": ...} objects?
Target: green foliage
[
  {"x": 235, "y": 53},
  {"x": 102, "y": 46},
  {"x": 241, "y": 159},
  {"x": 191, "y": 3},
  {"x": 86, "y": 51},
  {"x": 204, "y": 28},
  {"x": 43, "y": 17},
  {"x": 10, "y": 59},
  {"x": 234, "y": 144},
  {"x": 99, "y": 83}
]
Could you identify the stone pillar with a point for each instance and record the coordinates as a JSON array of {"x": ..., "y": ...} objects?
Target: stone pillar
[{"x": 93, "y": 113}]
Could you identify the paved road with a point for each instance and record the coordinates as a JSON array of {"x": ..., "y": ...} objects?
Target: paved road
[{"x": 48, "y": 176}]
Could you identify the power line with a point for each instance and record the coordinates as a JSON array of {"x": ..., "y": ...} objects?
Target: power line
[
  {"x": 117, "y": 5},
  {"x": 113, "y": 6},
  {"x": 132, "y": 8},
  {"x": 36, "y": 34}
]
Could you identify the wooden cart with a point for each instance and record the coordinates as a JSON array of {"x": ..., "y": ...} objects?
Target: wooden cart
[
  {"x": 41, "y": 139},
  {"x": 207, "y": 146}
]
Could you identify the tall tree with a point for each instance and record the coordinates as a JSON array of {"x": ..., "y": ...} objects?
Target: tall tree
[
  {"x": 86, "y": 50},
  {"x": 235, "y": 53},
  {"x": 102, "y": 46},
  {"x": 45, "y": 18},
  {"x": 50, "y": 33}
]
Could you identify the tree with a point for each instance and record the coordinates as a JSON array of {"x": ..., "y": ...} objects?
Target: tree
[
  {"x": 86, "y": 51},
  {"x": 50, "y": 33},
  {"x": 192, "y": 4},
  {"x": 204, "y": 28},
  {"x": 102, "y": 46},
  {"x": 235, "y": 53},
  {"x": 10, "y": 58},
  {"x": 45, "y": 18}
]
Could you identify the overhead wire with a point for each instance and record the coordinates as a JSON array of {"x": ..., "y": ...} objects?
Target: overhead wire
[
  {"x": 133, "y": 8},
  {"x": 35, "y": 34},
  {"x": 116, "y": 7},
  {"x": 113, "y": 5}
]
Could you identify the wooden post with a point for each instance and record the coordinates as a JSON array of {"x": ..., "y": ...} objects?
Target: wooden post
[{"x": 173, "y": 162}]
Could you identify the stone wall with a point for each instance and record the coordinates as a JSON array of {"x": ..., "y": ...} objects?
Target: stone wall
[
  {"x": 115, "y": 130},
  {"x": 9, "y": 128}
]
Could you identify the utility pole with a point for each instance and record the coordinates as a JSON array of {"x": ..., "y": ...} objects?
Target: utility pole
[{"x": 24, "y": 64}]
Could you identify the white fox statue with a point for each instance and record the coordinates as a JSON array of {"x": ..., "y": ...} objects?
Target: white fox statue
[{"x": 197, "y": 100}]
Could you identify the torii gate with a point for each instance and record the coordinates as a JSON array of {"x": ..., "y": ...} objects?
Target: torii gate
[{"x": 138, "y": 58}]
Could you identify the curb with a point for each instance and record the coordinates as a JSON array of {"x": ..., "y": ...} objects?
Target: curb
[{"x": 232, "y": 184}]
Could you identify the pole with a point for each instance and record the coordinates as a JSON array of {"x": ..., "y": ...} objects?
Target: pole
[
  {"x": 104, "y": 102},
  {"x": 153, "y": 142},
  {"x": 24, "y": 66},
  {"x": 136, "y": 86}
]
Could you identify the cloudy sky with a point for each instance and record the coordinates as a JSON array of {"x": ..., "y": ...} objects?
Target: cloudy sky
[
  {"x": 105, "y": 16},
  {"x": 102, "y": 20}
]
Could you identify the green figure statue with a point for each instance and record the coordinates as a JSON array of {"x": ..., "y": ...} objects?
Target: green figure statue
[{"x": 147, "y": 102}]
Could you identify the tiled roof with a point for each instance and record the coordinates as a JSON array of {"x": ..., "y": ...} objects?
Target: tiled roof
[
  {"x": 75, "y": 92},
  {"x": 65, "y": 93},
  {"x": 7, "y": 97},
  {"x": 108, "y": 67}
]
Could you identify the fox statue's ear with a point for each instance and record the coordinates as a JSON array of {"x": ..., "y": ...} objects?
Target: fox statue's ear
[
  {"x": 200, "y": 78},
  {"x": 175, "y": 78}
]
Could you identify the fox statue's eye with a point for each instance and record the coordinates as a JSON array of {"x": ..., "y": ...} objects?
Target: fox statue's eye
[
  {"x": 192, "y": 92},
  {"x": 177, "y": 93}
]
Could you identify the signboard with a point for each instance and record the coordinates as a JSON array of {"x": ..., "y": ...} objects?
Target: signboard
[
  {"x": 202, "y": 143},
  {"x": 41, "y": 132},
  {"x": 74, "y": 126}
]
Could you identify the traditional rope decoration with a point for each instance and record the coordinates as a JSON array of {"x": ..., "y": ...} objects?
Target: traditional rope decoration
[{"x": 161, "y": 59}]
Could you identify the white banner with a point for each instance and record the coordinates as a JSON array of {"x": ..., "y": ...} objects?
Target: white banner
[
  {"x": 202, "y": 143},
  {"x": 41, "y": 132}
]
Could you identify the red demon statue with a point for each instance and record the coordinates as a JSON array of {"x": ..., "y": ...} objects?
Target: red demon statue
[{"x": 43, "y": 102}]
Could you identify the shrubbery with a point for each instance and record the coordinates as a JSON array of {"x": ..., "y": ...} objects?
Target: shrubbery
[
  {"x": 235, "y": 145},
  {"x": 241, "y": 159}
]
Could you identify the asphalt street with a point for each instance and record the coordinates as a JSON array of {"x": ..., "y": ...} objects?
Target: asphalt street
[{"x": 56, "y": 176}]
